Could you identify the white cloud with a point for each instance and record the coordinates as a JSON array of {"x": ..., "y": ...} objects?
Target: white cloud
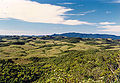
[
  {"x": 111, "y": 28},
  {"x": 32, "y": 11},
  {"x": 106, "y": 23},
  {"x": 76, "y": 22},
  {"x": 83, "y": 13},
  {"x": 15, "y": 32},
  {"x": 90, "y": 11},
  {"x": 116, "y": 1},
  {"x": 75, "y": 14},
  {"x": 66, "y": 3}
]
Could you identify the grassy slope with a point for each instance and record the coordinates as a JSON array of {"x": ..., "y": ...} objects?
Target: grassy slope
[{"x": 50, "y": 48}]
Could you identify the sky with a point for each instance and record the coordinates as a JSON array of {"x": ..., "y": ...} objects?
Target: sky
[{"x": 44, "y": 17}]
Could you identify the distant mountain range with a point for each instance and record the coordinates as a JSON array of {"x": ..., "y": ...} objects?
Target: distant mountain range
[{"x": 82, "y": 35}]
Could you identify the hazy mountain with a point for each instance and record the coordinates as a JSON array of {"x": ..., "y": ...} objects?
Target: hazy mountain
[{"x": 82, "y": 35}]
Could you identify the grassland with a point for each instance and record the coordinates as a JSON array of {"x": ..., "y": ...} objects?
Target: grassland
[
  {"x": 40, "y": 48},
  {"x": 50, "y": 59}
]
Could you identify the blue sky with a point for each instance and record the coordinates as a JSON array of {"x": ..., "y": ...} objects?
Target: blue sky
[{"x": 39, "y": 17}]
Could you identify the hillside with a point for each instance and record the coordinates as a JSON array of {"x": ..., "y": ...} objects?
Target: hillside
[
  {"x": 81, "y": 35},
  {"x": 57, "y": 59}
]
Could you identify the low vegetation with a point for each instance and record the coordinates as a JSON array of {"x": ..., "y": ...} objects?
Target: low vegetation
[{"x": 50, "y": 59}]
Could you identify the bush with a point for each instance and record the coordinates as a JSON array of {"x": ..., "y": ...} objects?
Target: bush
[{"x": 18, "y": 43}]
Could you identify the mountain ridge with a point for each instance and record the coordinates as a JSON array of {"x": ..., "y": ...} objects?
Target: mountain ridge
[{"x": 84, "y": 35}]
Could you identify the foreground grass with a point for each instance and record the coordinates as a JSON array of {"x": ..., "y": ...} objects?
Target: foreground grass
[{"x": 92, "y": 66}]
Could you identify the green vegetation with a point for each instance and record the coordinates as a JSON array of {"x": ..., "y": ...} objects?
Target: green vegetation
[{"x": 51, "y": 59}]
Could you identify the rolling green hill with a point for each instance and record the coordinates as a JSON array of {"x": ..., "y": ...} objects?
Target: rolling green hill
[{"x": 58, "y": 59}]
